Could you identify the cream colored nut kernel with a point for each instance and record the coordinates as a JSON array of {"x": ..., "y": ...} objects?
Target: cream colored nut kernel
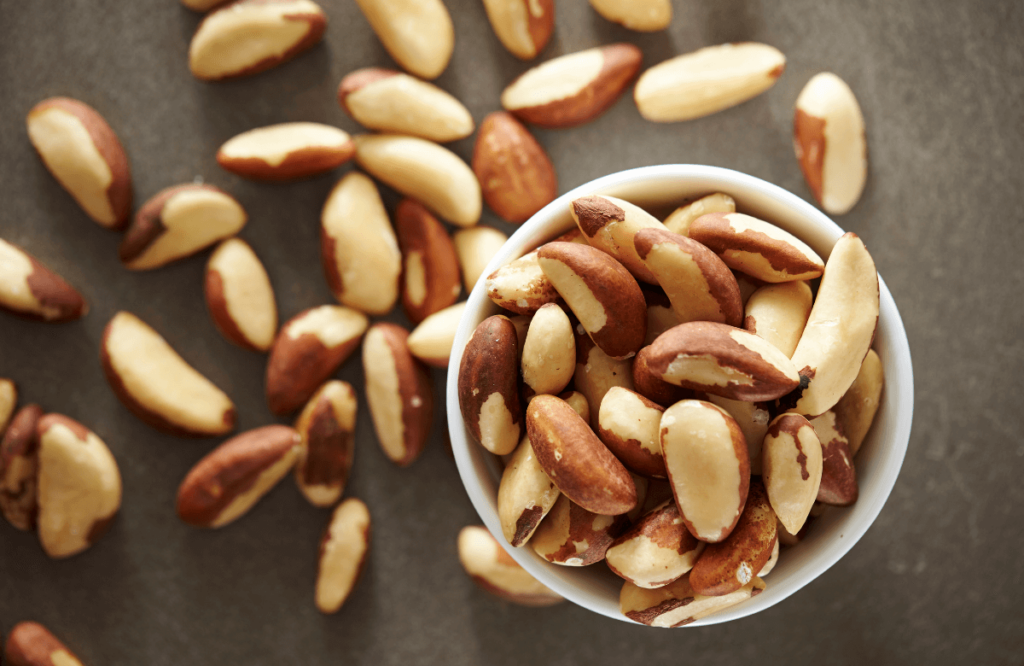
[
  {"x": 572, "y": 89},
  {"x": 856, "y": 410},
  {"x": 655, "y": 551},
  {"x": 85, "y": 156},
  {"x": 287, "y": 151},
  {"x": 159, "y": 386},
  {"x": 488, "y": 385},
  {"x": 418, "y": 34},
  {"x": 343, "y": 550},
  {"x": 33, "y": 291},
  {"x": 326, "y": 429},
  {"x": 752, "y": 418},
  {"x": 773, "y": 560},
  {"x": 706, "y": 81},
  {"x": 240, "y": 297},
  {"x": 681, "y": 218},
  {"x": 629, "y": 425},
  {"x": 578, "y": 402},
  {"x": 522, "y": 26},
  {"x": 251, "y": 36},
  {"x": 525, "y": 495},
  {"x": 19, "y": 469},
  {"x": 639, "y": 15},
  {"x": 707, "y": 464},
  {"x": 650, "y": 384},
  {"x": 838, "y": 474},
  {"x": 475, "y": 248},
  {"x": 758, "y": 248},
  {"x": 516, "y": 175},
  {"x": 32, "y": 644},
  {"x": 495, "y": 571},
  {"x": 431, "y": 341},
  {"x": 430, "y": 266},
  {"x": 574, "y": 537},
  {"x": 828, "y": 137},
  {"x": 786, "y": 539},
  {"x": 398, "y": 392},
  {"x": 425, "y": 171},
  {"x": 791, "y": 464},
  {"x": 232, "y": 478},
  {"x": 390, "y": 101},
  {"x": 79, "y": 489},
  {"x": 839, "y": 331},
  {"x": 549, "y": 354},
  {"x": 8, "y": 401},
  {"x": 778, "y": 313},
  {"x": 359, "y": 250},
  {"x": 611, "y": 225},
  {"x": 520, "y": 286},
  {"x": 660, "y": 315},
  {"x": 177, "y": 222},
  {"x": 677, "y": 604},
  {"x": 596, "y": 374}
]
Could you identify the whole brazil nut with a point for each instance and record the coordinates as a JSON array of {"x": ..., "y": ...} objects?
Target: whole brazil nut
[
  {"x": 630, "y": 426},
  {"x": 8, "y": 402},
  {"x": 431, "y": 341},
  {"x": 516, "y": 176},
  {"x": 721, "y": 360},
  {"x": 358, "y": 247},
  {"x": 828, "y": 137},
  {"x": 251, "y": 36},
  {"x": 240, "y": 297},
  {"x": 678, "y": 604},
  {"x": 639, "y": 15},
  {"x": 327, "y": 430},
  {"x": 758, "y": 248},
  {"x": 418, "y": 34},
  {"x": 839, "y": 331},
  {"x": 19, "y": 469},
  {"x": 390, "y": 101},
  {"x": 490, "y": 567},
  {"x": 601, "y": 293},
  {"x": 549, "y": 353},
  {"x": 778, "y": 313},
  {"x": 308, "y": 349},
  {"x": 79, "y": 486},
  {"x": 597, "y": 373},
  {"x": 650, "y": 384},
  {"x": 430, "y": 279},
  {"x": 525, "y": 495},
  {"x": 489, "y": 388},
  {"x": 698, "y": 284},
  {"x": 679, "y": 221},
  {"x": 856, "y": 410},
  {"x": 725, "y": 567},
  {"x": 475, "y": 248},
  {"x": 343, "y": 551},
  {"x": 31, "y": 290},
  {"x": 157, "y": 385},
  {"x": 85, "y": 156},
  {"x": 578, "y": 463},
  {"x": 752, "y": 418},
  {"x": 32, "y": 644},
  {"x": 791, "y": 466},
  {"x": 287, "y": 151},
  {"x": 707, "y": 464},
  {"x": 177, "y": 222},
  {"x": 838, "y": 474},
  {"x": 655, "y": 551},
  {"x": 611, "y": 225},
  {"x": 572, "y": 89},
  {"x": 398, "y": 392},
  {"x": 706, "y": 81},
  {"x": 522, "y": 26},
  {"x": 233, "y": 477},
  {"x": 520, "y": 286},
  {"x": 571, "y": 536},
  {"x": 425, "y": 171}
]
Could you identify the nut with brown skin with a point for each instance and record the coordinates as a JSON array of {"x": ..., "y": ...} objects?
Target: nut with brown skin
[
  {"x": 85, "y": 156},
  {"x": 343, "y": 550},
  {"x": 32, "y": 644},
  {"x": 681, "y": 218},
  {"x": 358, "y": 247},
  {"x": 79, "y": 486},
  {"x": 639, "y": 15},
  {"x": 327, "y": 427},
  {"x": 520, "y": 286},
  {"x": 576, "y": 461},
  {"x": 390, "y": 101},
  {"x": 629, "y": 425},
  {"x": 758, "y": 248},
  {"x": 707, "y": 464},
  {"x": 8, "y": 401},
  {"x": 309, "y": 348},
  {"x": 611, "y": 225},
  {"x": 778, "y": 313},
  {"x": 475, "y": 248},
  {"x": 157, "y": 385},
  {"x": 288, "y": 151},
  {"x": 430, "y": 279},
  {"x": 549, "y": 353},
  {"x": 496, "y": 572},
  {"x": 838, "y": 474},
  {"x": 678, "y": 604},
  {"x": 572, "y": 89},
  {"x": 177, "y": 222},
  {"x": 651, "y": 386},
  {"x": 431, "y": 341},
  {"x": 398, "y": 392},
  {"x": 752, "y": 418},
  {"x": 655, "y": 551},
  {"x": 574, "y": 537},
  {"x": 706, "y": 81},
  {"x": 601, "y": 293},
  {"x": 418, "y": 35},
  {"x": 791, "y": 463},
  {"x": 525, "y": 495},
  {"x": 856, "y": 410},
  {"x": 19, "y": 469},
  {"x": 489, "y": 388},
  {"x": 239, "y": 296},
  {"x": 31, "y": 290},
  {"x": 251, "y": 36},
  {"x": 516, "y": 175},
  {"x": 522, "y": 26}
]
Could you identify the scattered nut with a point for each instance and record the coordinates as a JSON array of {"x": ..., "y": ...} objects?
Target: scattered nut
[
  {"x": 430, "y": 266},
  {"x": 19, "y": 467},
  {"x": 240, "y": 297},
  {"x": 522, "y": 26},
  {"x": 838, "y": 475},
  {"x": 639, "y": 15},
  {"x": 475, "y": 248},
  {"x": 495, "y": 571},
  {"x": 286, "y": 152},
  {"x": 629, "y": 425},
  {"x": 327, "y": 430},
  {"x": 574, "y": 537},
  {"x": 431, "y": 341},
  {"x": 611, "y": 225},
  {"x": 515, "y": 174},
  {"x": 758, "y": 248},
  {"x": 681, "y": 218},
  {"x": 525, "y": 495},
  {"x": 677, "y": 604},
  {"x": 418, "y": 35},
  {"x": 31, "y": 290},
  {"x": 343, "y": 551},
  {"x": 655, "y": 551},
  {"x": 856, "y": 410},
  {"x": 792, "y": 465},
  {"x": 489, "y": 388},
  {"x": 549, "y": 353},
  {"x": 32, "y": 644},
  {"x": 778, "y": 313}
]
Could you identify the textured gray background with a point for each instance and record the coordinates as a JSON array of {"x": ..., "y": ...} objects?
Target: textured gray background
[{"x": 938, "y": 577}]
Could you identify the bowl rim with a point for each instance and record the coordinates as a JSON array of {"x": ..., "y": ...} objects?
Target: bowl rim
[{"x": 898, "y": 386}]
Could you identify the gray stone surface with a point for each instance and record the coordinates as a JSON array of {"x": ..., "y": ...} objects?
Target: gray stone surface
[{"x": 936, "y": 580}]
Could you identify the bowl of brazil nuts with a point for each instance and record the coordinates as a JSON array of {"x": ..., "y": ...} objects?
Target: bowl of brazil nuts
[{"x": 652, "y": 454}]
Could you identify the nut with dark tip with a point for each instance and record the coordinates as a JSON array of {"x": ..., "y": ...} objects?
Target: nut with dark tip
[
  {"x": 326, "y": 427},
  {"x": 496, "y": 572},
  {"x": 19, "y": 469},
  {"x": 32, "y": 644}
]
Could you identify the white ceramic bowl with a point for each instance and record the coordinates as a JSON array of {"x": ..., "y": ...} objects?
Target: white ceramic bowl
[{"x": 878, "y": 461}]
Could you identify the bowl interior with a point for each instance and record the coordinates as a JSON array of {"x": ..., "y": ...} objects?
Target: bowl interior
[{"x": 878, "y": 461}]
